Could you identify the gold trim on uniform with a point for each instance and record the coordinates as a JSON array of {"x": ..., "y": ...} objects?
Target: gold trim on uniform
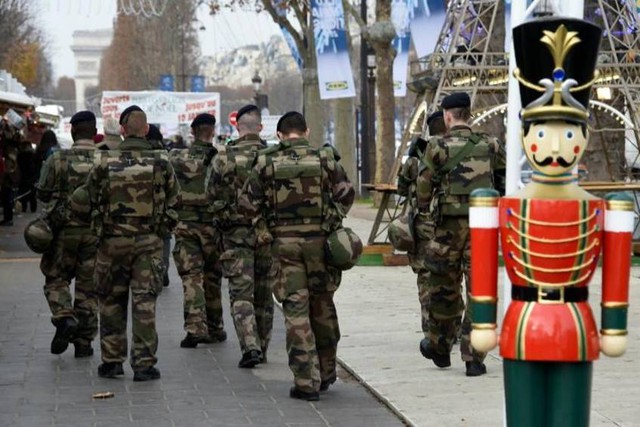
[
  {"x": 483, "y": 326},
  {"x": 554, "y": 270},
  {"x": 619, "y": 205},
  {"x": 559, "y": 110},
  {"x": 551, "y": 285},
  {"x": 614, "y": 332},
  {"x": 483, "y": 202},
  {"x": 593, "y": 244},
  {"x": 554, "y": 224},
  {"x": 484, "y": 299},
  {"x": 541, "y": 240},
  {"x": 614, "y": 304}
]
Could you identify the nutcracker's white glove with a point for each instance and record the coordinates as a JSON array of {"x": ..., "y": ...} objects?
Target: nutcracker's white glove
[
  {"x": 613, "y": 345},
  {"x": 484, "y": 340}
]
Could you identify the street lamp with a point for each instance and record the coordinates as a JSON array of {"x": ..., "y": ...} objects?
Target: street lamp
[
  {"x": 261, "y": 99},
  {"x": 371, "y": 114}
]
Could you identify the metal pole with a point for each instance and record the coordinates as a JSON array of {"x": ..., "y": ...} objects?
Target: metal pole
[{"x": 364, "y": 108}]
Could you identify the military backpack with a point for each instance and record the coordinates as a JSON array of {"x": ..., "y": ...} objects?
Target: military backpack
[
  {"x": 190, "y": 169},
  {"x": 72, "y": 168},
  {"x": 234, "y": 165},
  {"x": 133, "y": 191},
  {"x": 468, "y": 168}
]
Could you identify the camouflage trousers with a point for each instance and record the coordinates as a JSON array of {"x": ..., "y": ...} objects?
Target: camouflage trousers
[
  {"x": 249, "y": 287},
  {"x": 305, "y": 285},
  {"x": 196, "y": 254},
  {"x": 72, "y": 256},
  {"x": 447, "y": 257},
  {"x": 129, "y": 264}
]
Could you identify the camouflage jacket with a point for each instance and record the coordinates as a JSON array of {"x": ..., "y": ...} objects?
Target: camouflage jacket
[
  {"x": 408, "y": 173},
  {"x": 131, "y": 191},
  {"x": 229, "y": 170},
  {"x": 62, "y": 173},
  {"x": 190, "y": 166},
  {"x": 288, "y": 204},
  {"x": 483, "y": 166}
]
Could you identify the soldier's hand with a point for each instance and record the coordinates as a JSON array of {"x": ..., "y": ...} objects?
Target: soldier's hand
[
  {"x": 613, "y": 345},
  {"x": 484, "y": 340}
]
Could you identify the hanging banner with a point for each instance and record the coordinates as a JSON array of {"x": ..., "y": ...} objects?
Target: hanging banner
[
  {"x": 426, "y": 23},
  {"x": 334, "y": 67},
  {"x": 167, "y": 109},
  {"x": 197, "y": 83},
  {"x": 401, "y": 14},
  {"x": 166, "y": 82}
]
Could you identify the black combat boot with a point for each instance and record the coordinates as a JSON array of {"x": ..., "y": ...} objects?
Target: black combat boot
[
  {"x": 310, "y": 396},
  {"x": 250, "y": 359},
  {"x": 65, "y": 329},
  {"x": 82, "y": 350},
  {"x": 110, "y": 370},
  {"x": 475, "y": 369},
  {"x": 192, "y": 341},
  {"x": 440, "y": 360},
  {"x": 263, "y": 355},
  {"x": 324, "y": 384},
  {"x": 218, "y": 335},
  {"x": 150, "y": 373}
]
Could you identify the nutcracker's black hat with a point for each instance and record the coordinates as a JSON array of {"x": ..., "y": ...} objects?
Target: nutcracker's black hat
[{"x": 556, "y": 60}]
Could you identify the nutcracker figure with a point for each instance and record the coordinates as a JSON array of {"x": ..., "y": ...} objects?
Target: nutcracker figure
[{"x": 551, "y": 235}]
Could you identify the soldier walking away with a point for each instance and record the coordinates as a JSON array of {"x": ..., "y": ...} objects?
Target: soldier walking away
[
  {"x": 243, "y": 263},
  {"x": 454, "y": 165},
  {"x": 421, "y": 223},
  {"x": 301, "y": 194},
  {"x": 73, "y": 249},
  {"x": 132, "y": 191},
  {"x": 197, "y": 249}
]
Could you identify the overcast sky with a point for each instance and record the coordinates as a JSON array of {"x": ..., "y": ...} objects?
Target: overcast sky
[{"x": 60, "y": 18}]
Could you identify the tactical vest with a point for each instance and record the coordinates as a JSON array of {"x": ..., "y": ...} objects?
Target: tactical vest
[
  {"x": 72, "y": 168},
  {"x": 453, "y": 183},
  {"x": 191, "y": 171},
  {"x": 235, "y": 163},
  {"x": 133, "y": 192},
  {"x": 300, "y": 194}
]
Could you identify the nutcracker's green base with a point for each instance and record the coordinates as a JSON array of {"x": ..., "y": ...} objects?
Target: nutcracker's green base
[{"x": 547, "y": 394}]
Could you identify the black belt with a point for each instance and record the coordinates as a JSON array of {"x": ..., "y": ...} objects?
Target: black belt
[{"x": 550, "y": 295}]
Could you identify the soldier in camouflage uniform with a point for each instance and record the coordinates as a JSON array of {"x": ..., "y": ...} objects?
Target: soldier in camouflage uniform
[
  {"x": 245, "y": 265},
  {"x": 130, "y": 194},
  {"x": 73, "y": 251},
  {"x": 197, "y": 249},
  {"x": 452, "y": 166},
  {"x": 301, "y": 194},
  {"x": 421, "y": 223}
]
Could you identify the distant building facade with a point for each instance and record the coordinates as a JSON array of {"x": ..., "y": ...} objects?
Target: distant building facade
[{"x": 88, "y": 47}]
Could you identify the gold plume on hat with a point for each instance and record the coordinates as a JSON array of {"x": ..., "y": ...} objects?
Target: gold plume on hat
[{"x": 560, "y": 43}]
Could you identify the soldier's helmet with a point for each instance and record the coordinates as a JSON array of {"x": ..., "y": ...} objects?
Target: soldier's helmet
[
  {"x": 343, "y": 248},
  {"x": 400, "y": 234},
  {"x": 38, "y": 236}
]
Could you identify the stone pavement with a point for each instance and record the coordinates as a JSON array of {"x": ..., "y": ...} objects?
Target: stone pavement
[
  {"x": 380, "y": 322},
  {"x": 199, "y": 387}
]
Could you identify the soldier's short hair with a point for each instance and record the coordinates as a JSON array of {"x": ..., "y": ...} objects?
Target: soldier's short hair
[
  {"x": 292, "y": 122},
  {"x": 83, "y": 130},
  {"x": 460, "y": 113},
  {"x": 136, "y": 124},
  {"x": 250, "y": 121},
  {"x": 437, "y": 126},
  {"x": 204, "y": 132}
]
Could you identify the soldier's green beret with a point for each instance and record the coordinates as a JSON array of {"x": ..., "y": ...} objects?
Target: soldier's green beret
[
  {"x": 433, "y": 116},
  {"x": 456, "y": 100},
  {"x": 204, "y": 119},
  {"x": 130, "y": 109},
  {"x": 82, "y": 116},
  {"x": 246, "y": 109}
]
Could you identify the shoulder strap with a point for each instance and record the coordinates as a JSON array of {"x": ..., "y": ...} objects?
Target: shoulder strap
[
  {"x": 452, "y": 162},
  {"x": 158, "y": 188}
]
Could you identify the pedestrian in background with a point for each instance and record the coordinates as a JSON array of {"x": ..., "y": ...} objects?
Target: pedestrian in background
[
  {"x": 244, "y": 264},
  {"x": 132, "y": 191},
  {"x": 301, "y": 194},
  {"x": 198, "y": 242},
  {"x": 455, "y": 164}
]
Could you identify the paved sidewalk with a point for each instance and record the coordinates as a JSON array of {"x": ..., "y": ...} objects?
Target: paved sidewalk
[
  {"x": 380, "y": 321},
  {"x": 199, "y": 387}
]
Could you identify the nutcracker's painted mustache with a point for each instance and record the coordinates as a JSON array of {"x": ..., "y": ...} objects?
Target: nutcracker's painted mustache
[{"x": 549, "y": 160}]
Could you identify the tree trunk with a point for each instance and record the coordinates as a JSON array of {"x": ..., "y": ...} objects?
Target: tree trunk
[
  {"x": 345, "y": 138},
  {"x": 313, "y": 105}
]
